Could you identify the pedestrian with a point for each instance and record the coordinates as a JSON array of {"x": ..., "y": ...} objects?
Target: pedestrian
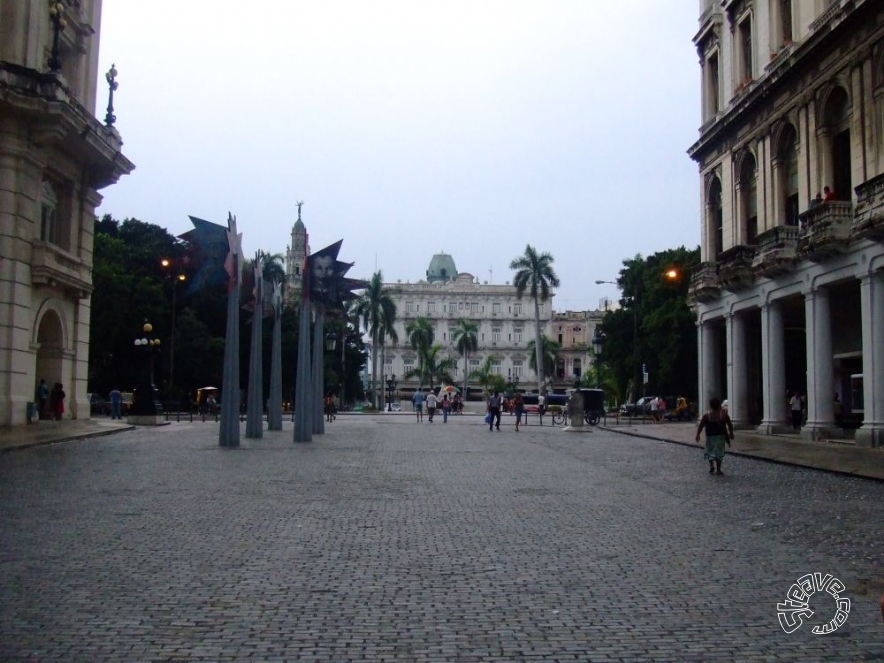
[
  {"x": 446, "y": 407},
  {"x": 719, "y": 430},
  {"x": 58, "y": 401},
  {"x": 494, "y": 411},
  {"x": 828, "y": 194},
  {"x": 653, "y": 409},
  {"x": 541, "y": 403},
  {"x": 329, "y": 407},
  {"x": 661, "y": 410},
  {"x": 418, "y": 400},
  {"x": 796, "y": 407},
  {"x": 518, "y": 408},
  {"x": 431, "y": 406},
  {"x": 116, "y": 399},
  {"x": 42, "y": 399}
]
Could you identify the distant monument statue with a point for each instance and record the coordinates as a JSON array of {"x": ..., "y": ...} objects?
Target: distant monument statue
[{"x": 300, "y": 204}]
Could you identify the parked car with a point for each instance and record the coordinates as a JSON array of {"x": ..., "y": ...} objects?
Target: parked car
[
  {"x": 99, "y": 405},
  {"x": 639, "y": 408}
]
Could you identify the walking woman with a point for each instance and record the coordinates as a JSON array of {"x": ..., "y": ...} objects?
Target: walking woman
[
  {"x": 518, "y": 408},
  {"x": 719, "y": 430}
]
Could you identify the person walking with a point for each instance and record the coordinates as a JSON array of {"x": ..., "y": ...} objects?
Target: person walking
[
  {"x": 494, "y": 411},
  {"x": 719, "y": 430},
  {"x": 42, "y": 399},
  {"x": 446, "y": 407},
  {"x": 329, "y": 407},
  {"x": 418, "y": 400},
  {"x": 431, "y": 406},
  {"x": 796, "y": 406},
  {"x": 518, "y": 408},
  {"x": 116, "y": 399},
  {"x": 58, "y": 401}
]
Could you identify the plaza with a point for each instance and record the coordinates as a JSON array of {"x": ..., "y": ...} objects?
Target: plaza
[{"x": 385, "y": 540}]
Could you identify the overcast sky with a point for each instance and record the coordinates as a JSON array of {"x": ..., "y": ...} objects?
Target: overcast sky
[{"x": 413, "y": 127}]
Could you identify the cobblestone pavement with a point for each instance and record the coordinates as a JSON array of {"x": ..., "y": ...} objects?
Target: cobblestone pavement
[{"x": 386, "y": 540}]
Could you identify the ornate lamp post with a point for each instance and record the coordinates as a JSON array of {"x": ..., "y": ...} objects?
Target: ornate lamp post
[
  {"x": 56, "y": 15},
  {"x": 168, "y": 264},
  {"x": 111, "y": 78},
  {"x": 598, "y": 342},
  {"x": 391, "y": 387},
  {"x": 145, "y": 397}
]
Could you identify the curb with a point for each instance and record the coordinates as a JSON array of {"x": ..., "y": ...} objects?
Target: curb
[
  {"x": 71, "y": 438},
  {"x": 743, "y": 454}
]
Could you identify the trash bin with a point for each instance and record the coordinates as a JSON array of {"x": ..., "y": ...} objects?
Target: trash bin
[{"x": 32, "y": 412}]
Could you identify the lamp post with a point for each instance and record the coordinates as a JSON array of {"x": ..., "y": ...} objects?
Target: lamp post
[
  {"x": 144, "y": 398},
  {"x": 331, "y": 340},
  {"x": 598, "y": 342},
  {"x": 167, "y": 264},
  {"x": 111, "y": 78},
  {"x": 56, "y": 15},
  {"x": 391, "y": 387}
]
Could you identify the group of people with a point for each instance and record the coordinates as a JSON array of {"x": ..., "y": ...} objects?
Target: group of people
[
  {"x": 50, "y": 401},
  {"x": 826, "y": 196},
  {"x": 658, "y": 409},
  {"x": 446, "y": 404}
]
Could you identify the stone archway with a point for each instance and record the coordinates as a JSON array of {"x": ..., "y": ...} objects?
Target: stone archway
[{"x": 50, "y": 352}]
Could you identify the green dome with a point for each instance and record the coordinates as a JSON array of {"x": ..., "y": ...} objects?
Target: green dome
[{"x": 441, "y": 268}]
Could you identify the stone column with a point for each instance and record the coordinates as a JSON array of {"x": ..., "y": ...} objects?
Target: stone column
[
  {"x": 773, "y": 369},
  {"x": 708, "y": 368},
  {"x": 871, "y": 434},
  {"x": 820, "y": 371},
  {"x": 737, "y": 388}
]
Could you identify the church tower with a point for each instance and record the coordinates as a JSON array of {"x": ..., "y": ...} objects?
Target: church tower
[{"x": 295, "y": 255}]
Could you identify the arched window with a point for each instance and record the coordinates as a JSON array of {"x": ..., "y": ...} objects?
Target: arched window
[
  {"x": 749, "y": 199},
  {"x": 715, "y": 219},
  {"x": 786, "y": 165},
  {"x": 835, "y": 136}
]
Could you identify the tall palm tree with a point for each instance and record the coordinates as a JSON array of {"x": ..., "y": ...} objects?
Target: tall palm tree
[
  {"x": 377, "y": 310},
  {"x": 274, "y": 267},
  {"x": 534, "y": 273},
  {"x": 466, "y": 340},
  {"x": 433, "y": 367},
  {"x": 420, "y": 335},
  {"x": 549, "y": 351}
]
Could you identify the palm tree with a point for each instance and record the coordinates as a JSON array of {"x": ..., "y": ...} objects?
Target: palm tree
[
  {"x": 274, "y": 267},
  {"x": 466, "y": 340},
  {"x": 549, "y": 350},
  {"x": 486, "y": 376},
  {"x": 420, "y": 335},
  {"x": 535, "y": 273},
  {"x": 377, "y": 311},
  {"x": 432, "y": 367}
]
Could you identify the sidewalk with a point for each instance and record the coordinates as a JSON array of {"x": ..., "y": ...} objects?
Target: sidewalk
[
  {"x": 835, "y": 457},
  {"x": 51, "y": 432}
]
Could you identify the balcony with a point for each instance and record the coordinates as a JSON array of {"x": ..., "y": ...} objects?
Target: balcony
[
  {"x": 825, "y": 230},
  {"x": 53, "y": 266},
  {"x": 869, "y": 221},
  {"x": 704, "y": 285},
  {"x": 735, "y": 267},
  {"x": 776, "y": 251}
]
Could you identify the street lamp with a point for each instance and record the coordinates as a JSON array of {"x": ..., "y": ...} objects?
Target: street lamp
[
  {"x": 167, "y": 264},
  {"x": 111, "y": 78},
  {"x": 598, "y": 342},
  {"x": 391, "y": 387},
  {"x": 56, "y": 15},
  {"x": 144, "y": 398}
]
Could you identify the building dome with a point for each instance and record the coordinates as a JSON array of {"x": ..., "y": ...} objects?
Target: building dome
[
  {"x": 299, "y": 225},
  {"x": 441, "y": 269}
]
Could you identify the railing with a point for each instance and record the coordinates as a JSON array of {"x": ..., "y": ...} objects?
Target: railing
[
  {"x": 50, "y": 262},
  {"x": 869, "y": 219},
  {"x": 735, "y": 267},
  {"x": 825, "y": 229},
  {"x": 826, "y": 16}
]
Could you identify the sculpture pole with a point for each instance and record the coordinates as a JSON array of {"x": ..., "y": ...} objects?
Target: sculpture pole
[
  {"x": 318, "y": 372},
  {"x": 274, "y": 409},
  {"x": 255, "y": 403},
  {"x": 303, "y": 388},
  {"x": 228, "y": 433}
]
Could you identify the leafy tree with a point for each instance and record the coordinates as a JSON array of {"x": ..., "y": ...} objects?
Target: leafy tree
[
  {"x": 486, "y": 376},
  {"x": 376, "y": 309},
  {"x": 535, "y": 274},
  {"x": 549, "y": 350},
  {"x": 653, "y": 326},
  {"x": 466, "y": 340}
]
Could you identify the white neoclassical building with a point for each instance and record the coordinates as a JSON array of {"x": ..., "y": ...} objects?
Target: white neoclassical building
[
  {"x": 790, "y": 293},
  {"x": 55, "y": 156},
  {"x": 505, "y": 328}
]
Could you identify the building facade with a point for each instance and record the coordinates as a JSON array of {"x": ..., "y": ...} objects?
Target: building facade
[
  {"x": 295, "y": 255},
  {"x": 505, "y": 328},
  {"x": 55, "y": 157},
  {"x": 790, "y": 293}
]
